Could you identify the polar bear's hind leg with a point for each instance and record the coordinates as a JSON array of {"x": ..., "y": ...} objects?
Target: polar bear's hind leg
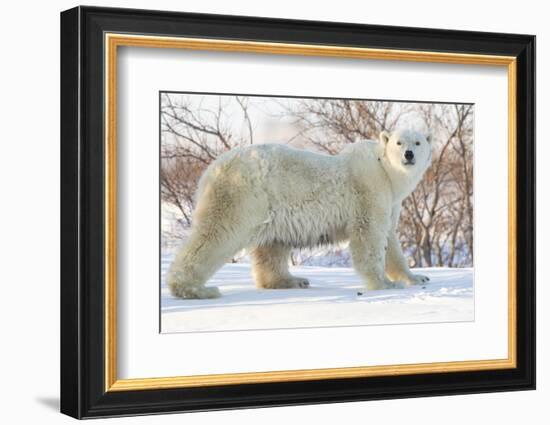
[
  {"x": 216, "y": 236},
  {"x": 270, "y": 268},
  {"x": 195, "y": 264}
]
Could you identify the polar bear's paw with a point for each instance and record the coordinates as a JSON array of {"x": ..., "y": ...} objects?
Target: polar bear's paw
[
  {"x": 394, "y": 285},
  {"x": 375, "y": 285},
  {"x": 300, "y": 282},
  {"x": 417, "y": 279},
  {"x": 182, "y": 286},
  {"x": 195, "y": 292},
  {"x": 291, "y": 282}
]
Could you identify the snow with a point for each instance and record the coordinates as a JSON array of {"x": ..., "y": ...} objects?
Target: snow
[{"x": 336, "y": 297}]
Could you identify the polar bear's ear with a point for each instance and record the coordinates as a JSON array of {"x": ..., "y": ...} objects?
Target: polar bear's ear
[{"x": 384, "y": 137}]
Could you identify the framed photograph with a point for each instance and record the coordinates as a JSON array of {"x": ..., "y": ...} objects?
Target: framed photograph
[{"x": 261, "y": 212}]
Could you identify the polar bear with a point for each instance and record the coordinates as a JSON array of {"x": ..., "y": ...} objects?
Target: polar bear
[{"x": 271, "y": 198}]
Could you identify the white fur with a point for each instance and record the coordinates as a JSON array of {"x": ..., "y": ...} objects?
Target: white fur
[{"x": 272, "y": 198}]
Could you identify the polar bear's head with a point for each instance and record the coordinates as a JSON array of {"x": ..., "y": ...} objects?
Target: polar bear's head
[{"x": 407, "y": 150}]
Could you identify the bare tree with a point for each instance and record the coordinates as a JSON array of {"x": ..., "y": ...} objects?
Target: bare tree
[
  {"x": 330, "y": 124},
  {"x": 194, "y": 135},
  {"x": 178, "y": 180},
  {"x": 439, "y": 212}
]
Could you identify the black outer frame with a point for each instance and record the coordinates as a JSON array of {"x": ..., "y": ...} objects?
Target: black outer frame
[{"x": 82, "y": 216}]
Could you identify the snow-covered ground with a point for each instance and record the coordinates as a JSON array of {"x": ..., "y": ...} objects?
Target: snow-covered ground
[{"x": 336, "y": 297}]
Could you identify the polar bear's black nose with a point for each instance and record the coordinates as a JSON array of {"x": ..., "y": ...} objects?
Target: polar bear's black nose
[{"x": 409, "y": 155}]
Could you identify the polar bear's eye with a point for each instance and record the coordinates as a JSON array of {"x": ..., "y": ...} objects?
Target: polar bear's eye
[
  {"x": 398, "y": 143},
  {"x": 417, "y": 143}
]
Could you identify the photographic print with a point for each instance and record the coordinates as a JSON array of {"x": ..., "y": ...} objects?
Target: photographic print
[
  {"x": 364, "y": 194},
  {"x": 293, "y": 212}
]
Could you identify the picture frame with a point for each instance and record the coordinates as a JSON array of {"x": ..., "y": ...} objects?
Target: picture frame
[{"x": 90, "y": 40}]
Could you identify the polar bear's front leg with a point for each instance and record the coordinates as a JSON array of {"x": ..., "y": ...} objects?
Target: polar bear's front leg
[
  {"x": 367, "y": 244},
  {"x": 270, "y": 268},
  {"x": 397, "y": 268}
]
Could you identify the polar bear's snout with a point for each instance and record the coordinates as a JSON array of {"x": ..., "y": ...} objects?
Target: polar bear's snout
[{"x": 409, "y": 158}]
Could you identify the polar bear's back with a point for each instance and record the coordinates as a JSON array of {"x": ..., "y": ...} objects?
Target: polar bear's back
[{"x": 274, "y": 168}]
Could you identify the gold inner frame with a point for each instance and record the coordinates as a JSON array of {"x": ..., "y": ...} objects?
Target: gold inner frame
[{"x": 113, "y": 41}]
